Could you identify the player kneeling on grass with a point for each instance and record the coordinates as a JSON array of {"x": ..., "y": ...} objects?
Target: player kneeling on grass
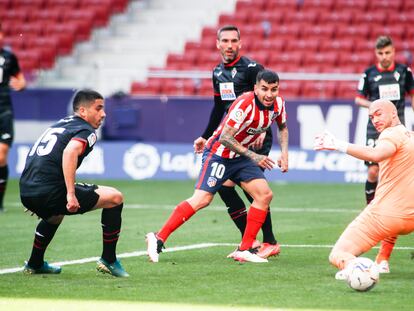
[
  {"x": 391, "y": 212},
  {"x": 48, "y": 188},
  {"x": 227, "y": 156}
]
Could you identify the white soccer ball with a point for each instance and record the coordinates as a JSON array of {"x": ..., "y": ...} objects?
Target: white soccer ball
[{"x": 363, "y": 274}]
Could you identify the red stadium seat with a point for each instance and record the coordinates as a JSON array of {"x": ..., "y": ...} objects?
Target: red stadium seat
[
  {"x": 205, "y": 88},
  {"x": 396, "y": 32},
  {"x": 16, "y": 14},
  {"x": 101, "y": 8},
  {"x": 49, "y": 15},
  {"x": 361, "y": 5},
  {"x": 336, "y": 17},
  {"x": 323, "y": 59},
  {"x": 5, "y": 4},
  {"x": 353, "y": 32},
  {"x": 293, "y": 58},
  {"x": 28, "y": 59},
  {"x": 371, "y": 17},
  {"x": 290, "y": 89},
  {"x": 83, "y": 20},
  {"x": 232, "y": 19},
  {"x": 393, "y": 6},
  {"x": 320, "y": 31},
  {"x": 325, "y": 5},
  {"x": 346, "y": 89},
  {"x": 62, "y": 3},
  {"x": 178, "y": 87},
  {"x": 261, "y": 57},
  {"x": 319, "y": 89},
  {"x": 274, "y": 5},
  {"x": 337, "y": 45},
  {"x": 28, "y": 4},
  {"x": 119, "y": 6},
  {"x": 303, "y": 45}
]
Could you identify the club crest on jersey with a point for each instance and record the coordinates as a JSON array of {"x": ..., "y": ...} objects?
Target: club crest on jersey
[
  {"x": 212, "y": 181},
  {"x": 396, "y": 75},
  {"x": 91, "y": 139},
  {"x": 233, "y": 72}
]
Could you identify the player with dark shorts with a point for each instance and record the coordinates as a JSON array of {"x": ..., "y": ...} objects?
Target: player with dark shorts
[
  {"x": 49, "y": 190},
  {"x": 391, "y": 81},
  {"x": 227, "y": 156},
  {"x": 11, "y": 77},
  {"x": 231, "y": 78}
]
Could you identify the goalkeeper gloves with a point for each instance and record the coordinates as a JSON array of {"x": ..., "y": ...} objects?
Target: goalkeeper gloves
[{"x": 326, "y": 141}]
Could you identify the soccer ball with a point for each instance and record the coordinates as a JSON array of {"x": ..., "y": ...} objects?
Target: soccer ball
[{"x": 363, "y": 274}]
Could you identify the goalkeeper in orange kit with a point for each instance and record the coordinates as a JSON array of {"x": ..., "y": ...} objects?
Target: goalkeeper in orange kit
[{"x": 391, "y": 212}]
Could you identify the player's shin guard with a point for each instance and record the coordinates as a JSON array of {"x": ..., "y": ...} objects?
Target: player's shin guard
[
  {"x": 370, "y": 190},
  {"x": 255, "y": 220},
  {"x": 4, "y": 176},
  {"x": 180, "y": 215},
  {"x": 235, "y": 207},
  {"x": 111, "y": 220},
  {"x": 387, "y": 245},
  {"x": 43, "y": 235}
]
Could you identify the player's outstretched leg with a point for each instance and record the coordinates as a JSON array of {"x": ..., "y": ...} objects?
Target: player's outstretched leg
[
  {"x": 111, "y": 220},
  {"x": 155, "y": 242},
  {"x": 44, "y": 233}
]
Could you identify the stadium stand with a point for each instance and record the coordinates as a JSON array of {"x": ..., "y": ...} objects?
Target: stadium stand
[
  {"x": 121, "y": 45},
  {"x": 310, "y": 36}
]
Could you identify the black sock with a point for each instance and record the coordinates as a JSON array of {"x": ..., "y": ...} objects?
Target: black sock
[
  {"x": 4, "y": 176},
  {"x": 235, "y": 207},
  {"x": 43, "y": 235},
  {"x": 268, "y": 236},
  {"x": 111, "y": 221},
  {"x": 370, "y": 190}
]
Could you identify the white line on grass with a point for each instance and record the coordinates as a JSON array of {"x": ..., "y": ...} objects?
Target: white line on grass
[{"x": 173, "y": 249}]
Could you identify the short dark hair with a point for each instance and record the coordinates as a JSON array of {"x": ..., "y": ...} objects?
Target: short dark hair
[
  {"x": 268, "y": 76},
  {"x": 228, "y": 28},
  {"x": 382, "y": 42},
  {"x": 85, "y": 97}
]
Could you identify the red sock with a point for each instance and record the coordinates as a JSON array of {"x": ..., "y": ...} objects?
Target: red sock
[
  {"x": 255, "y": 220},
  {"x": 180, "y": 215},
  {"x": 387, "y": 245}
]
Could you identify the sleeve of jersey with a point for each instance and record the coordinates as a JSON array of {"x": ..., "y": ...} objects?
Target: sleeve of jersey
[
  {"x": 237, "y": 114},
  {"x": 409, "y": 81},
  {"x": 391, "y": 135},
  {"x": 253, "y": 73},
  {"x": 87, "y": 138},
  {"x": 282, "y": 117},
  {"x": 215, "y": 117},
  {"x": 363, "y": 86},
  {"x": 14, "y": 65}
]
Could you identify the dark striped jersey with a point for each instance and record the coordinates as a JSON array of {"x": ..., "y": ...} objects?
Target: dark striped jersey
[
  {"x": 229, "y": 82},
  {"x": 251, "y": 118},
  {"x": 43, "y": 171},
  {"x": 9, "y": 67},
  {"x": 391, "y": 84}
]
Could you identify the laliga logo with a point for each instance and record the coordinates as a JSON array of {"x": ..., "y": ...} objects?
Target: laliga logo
[{"x": 141, "y": 161}]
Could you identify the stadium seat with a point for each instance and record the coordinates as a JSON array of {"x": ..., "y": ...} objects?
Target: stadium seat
[
  {"x": 118, "y": 6},
  {"x": 337, "y": 45},
  {"x": 346, "y": 89},
  {"x": 290, "y": 89},
  {"x": 274, "y": 5},
  {"x": 293, "y": 58},
  {"x": 5, "y": 4},
  {"x": 393, "y": 6},
  {"x": 396, "y": 32},
  {"x": 101, "y": 8},
  {"x": 28, "y": 59},
  {"x": 53, "y": 15},
  {"x": 83, "y": 20},
  {"x": 309, "y": 46},
  {"x": 319, "y": 89},
  {"x": 360, "y": 5},
  {"x": 323, "y": 59},
  {"x": 322, "y": 5},
  {"x": 28, "y": 4},
  {"x": 62, "y": 3},
  {"x": 15, "y": 42},
  {"x": 16, "y": 14}
]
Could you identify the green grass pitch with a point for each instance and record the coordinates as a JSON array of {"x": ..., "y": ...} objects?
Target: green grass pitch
[{"x": 307, "y": 219}]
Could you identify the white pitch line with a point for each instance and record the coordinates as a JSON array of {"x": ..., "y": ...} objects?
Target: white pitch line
[{"x": 173, "y": 249}]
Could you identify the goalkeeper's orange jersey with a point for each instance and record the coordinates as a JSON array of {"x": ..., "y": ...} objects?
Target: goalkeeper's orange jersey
[{"x": 394, "y": 196}]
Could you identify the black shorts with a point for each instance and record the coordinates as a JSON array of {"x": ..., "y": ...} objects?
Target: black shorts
[
  {"x": 6, "y": 128},
  {"x": 54, "y": 203}
]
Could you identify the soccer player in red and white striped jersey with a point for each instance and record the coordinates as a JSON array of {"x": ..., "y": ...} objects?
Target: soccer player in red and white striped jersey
[{"x": 227, "y": 158}]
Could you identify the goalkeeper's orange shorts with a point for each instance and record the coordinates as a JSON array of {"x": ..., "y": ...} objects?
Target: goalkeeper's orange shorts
[{"x": 364, "y": 232}]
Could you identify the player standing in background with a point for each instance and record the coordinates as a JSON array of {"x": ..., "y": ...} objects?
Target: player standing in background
[
  {"x": 10, "y": 78},
  {"x": 234, "y": 76},
  {"x": 391, "y": 212},
  {"x": 385, "y": 80},
  {"x": 227, "y": 156},
  {"x": 48, "y": 185}
]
